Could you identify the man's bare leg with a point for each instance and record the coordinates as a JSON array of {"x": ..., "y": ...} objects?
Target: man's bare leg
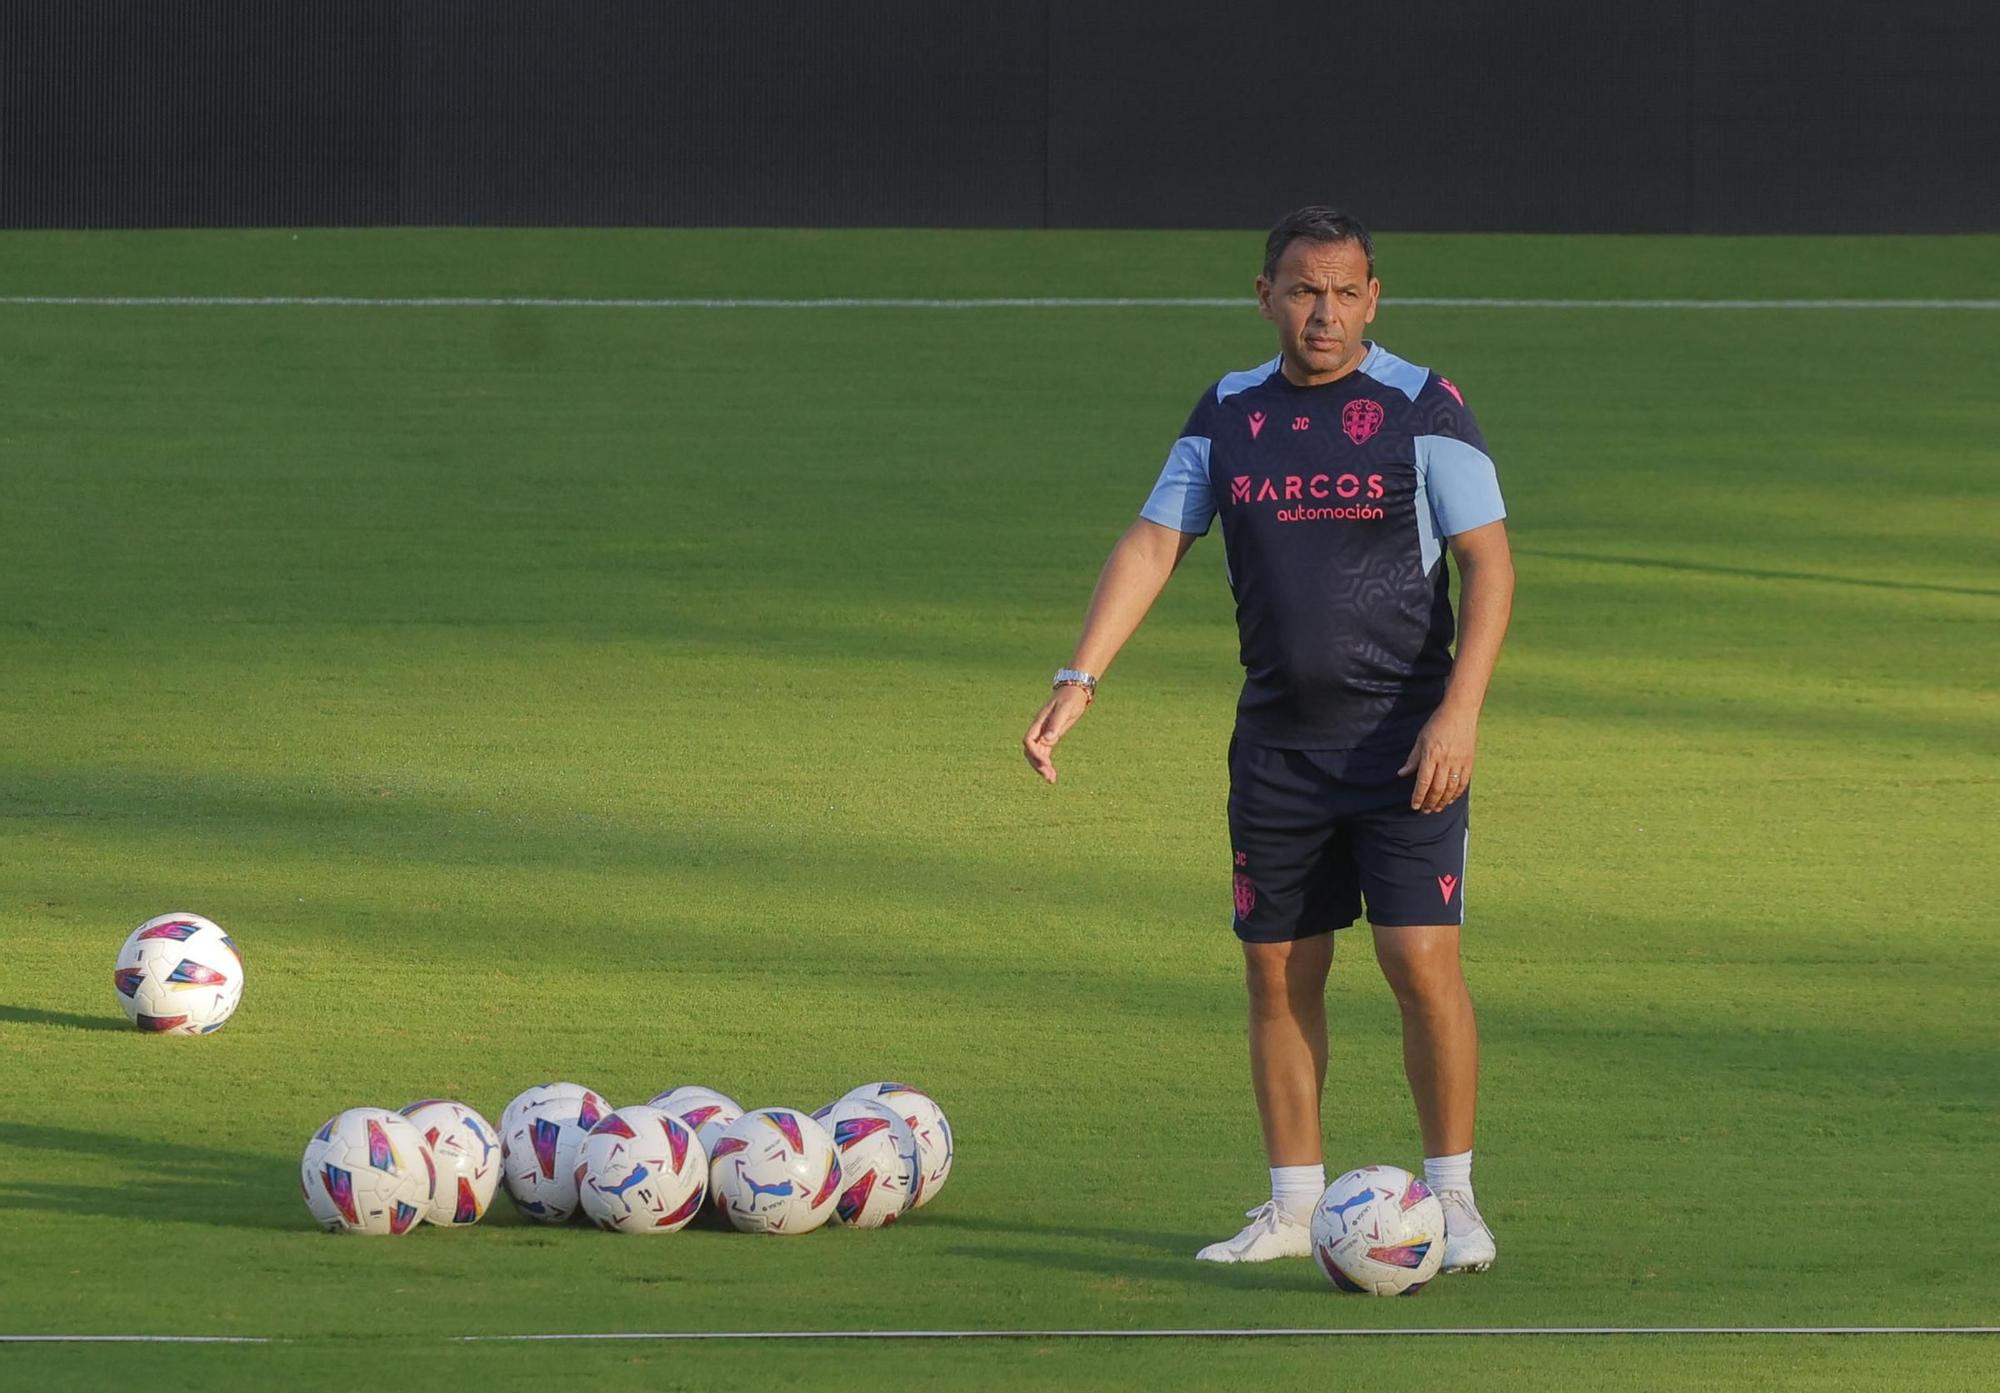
[
  {"x": 1440, "y": 1036},
  {"x": 1287, "y": 983},
  {"x": 1441, "y": 1060}
]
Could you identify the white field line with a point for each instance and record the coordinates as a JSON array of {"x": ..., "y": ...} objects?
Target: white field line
[
  {"x": 1299, "y": 1332},
  {"x": 134, "y": 1340},
  {"x": 1039, "y": 302}
]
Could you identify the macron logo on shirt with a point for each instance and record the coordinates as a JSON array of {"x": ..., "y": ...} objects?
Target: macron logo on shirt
[{"x": 1296, "y": 488}]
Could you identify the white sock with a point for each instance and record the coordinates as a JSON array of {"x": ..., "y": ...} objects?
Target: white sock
[
  {"x": 1298, "y": 1188},
  {"x": 1449, "y": 1172}
]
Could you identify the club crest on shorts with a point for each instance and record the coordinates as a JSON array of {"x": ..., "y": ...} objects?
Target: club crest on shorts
[
  {"x": 1246, "y": 895},
  {"x": 1361, "y": 418}
]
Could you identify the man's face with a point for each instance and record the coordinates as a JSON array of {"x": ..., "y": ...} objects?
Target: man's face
[{"x": 1321, "y": 300}]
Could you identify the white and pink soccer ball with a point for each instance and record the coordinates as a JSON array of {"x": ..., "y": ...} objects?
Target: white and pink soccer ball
[
  {"x": 641, "y": 1170},
  {"x": 702, "y": 1109},
  {"x": 368, "y": 1171},
  {"x": 540, "y": 1134},
  {"x": 467, "y": 1151},
  {"x": 1379, "y": 1230},
  {"x": 179, "y": 974},
  {"x": 774, "y": 1170},
  {"x": 927, "y": 1120},
  {"x": 880, "y": 1162}
]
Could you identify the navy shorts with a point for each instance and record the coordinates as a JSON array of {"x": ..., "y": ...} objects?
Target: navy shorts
[{"x": 1311, "y": 847}]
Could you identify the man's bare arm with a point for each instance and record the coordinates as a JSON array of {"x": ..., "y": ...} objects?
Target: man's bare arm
[
  {"x": 1486, "y": 603},
  {"x": 1133, "y": 576},
  {"x": 1448, "y": 744}
]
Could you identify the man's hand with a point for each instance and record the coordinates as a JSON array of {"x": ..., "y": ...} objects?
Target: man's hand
[
  {"x": 1442, "y": 759},
  {"x": 1065, "y": 708}
]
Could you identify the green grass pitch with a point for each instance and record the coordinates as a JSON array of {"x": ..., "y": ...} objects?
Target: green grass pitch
[{"x": 634, "y": 697}]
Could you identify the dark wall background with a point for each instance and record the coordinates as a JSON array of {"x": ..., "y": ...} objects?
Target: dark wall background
[{"x": 1542, "y": 115}]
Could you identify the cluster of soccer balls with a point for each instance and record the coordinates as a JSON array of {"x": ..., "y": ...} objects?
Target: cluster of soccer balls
[
  {"x": 865, "y": 1160},
  {"x": 561, "y": 1151}
]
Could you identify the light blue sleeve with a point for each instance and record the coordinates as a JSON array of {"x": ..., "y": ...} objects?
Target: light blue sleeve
[
  {"x": 1182, "y": 498},
  {"x": 1460, "y": 480}
]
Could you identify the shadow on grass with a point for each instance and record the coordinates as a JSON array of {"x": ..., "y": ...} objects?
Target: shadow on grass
[
  {"x": 1182, "y": 1270},
  {"x": 1755, "y": 572},
  {"x": 30, "y": 1015},
  {"x": 154, "y": 1180},
  {"x": 1161, "y": 1257},
  {"x": 133, "y": 1177},
  {"x": 1184, "y": 1243}
]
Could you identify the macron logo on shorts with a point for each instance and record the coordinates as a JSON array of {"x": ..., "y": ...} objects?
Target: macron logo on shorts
[{"x": 1447, "y": 884}]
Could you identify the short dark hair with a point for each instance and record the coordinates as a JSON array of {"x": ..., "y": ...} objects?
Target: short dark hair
[{"x": 1315, "y": 223}]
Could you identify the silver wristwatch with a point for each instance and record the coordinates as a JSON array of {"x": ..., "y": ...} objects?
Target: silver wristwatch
[{"x": 1076, "y": 677}]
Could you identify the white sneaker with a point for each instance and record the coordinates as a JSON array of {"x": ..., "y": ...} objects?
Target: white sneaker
[
  {"x": 1271, "y": 1233},
  {"x": 1468, "y": 1243}
]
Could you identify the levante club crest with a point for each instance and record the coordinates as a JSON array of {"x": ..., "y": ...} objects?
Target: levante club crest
[{"x": 1361, "y": 418}]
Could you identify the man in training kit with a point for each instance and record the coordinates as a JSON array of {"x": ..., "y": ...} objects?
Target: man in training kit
[{"x": 1341, "y": 474}]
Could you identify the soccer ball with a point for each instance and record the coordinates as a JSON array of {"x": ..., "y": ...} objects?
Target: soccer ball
[
  {"x": 927, "y": 1120},
  {"x": 1379, "y": 1230},
  {"x": 179, "y": 974},
  {"x": 467, "y": 1151},
  {"x": 540, "y": 1133},
  {"x": 368, "y": 1171},
  {"x": 641, "y": 1171},
  {"x": 540, "y": 1096},
  {"x": 774, "y": 1171},
  {"x": 702, "y": 1109},
  {"x": 880, "y": 1162}
]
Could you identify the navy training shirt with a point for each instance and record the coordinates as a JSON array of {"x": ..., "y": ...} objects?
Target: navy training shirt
[{"x": 1334, "y": 502}]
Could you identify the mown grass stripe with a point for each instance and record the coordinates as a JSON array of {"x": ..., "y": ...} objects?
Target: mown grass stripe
[
  {"x": 1193, "y": 1333},
  {"x": 1299, "y": 1332},
  {"x": 897, "y": 303}
]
